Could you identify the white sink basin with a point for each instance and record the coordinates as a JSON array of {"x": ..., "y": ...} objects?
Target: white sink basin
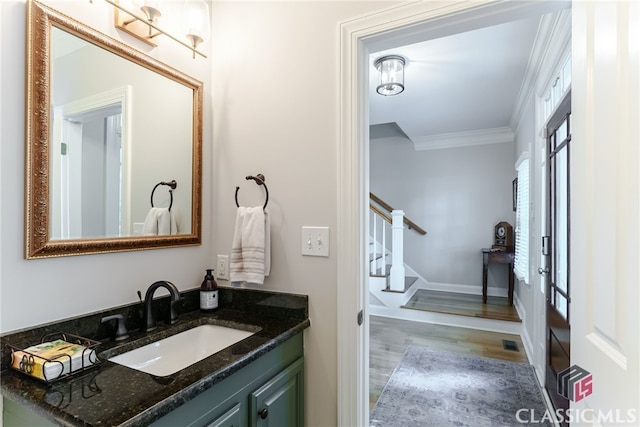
[{"x": 176, "y": 352}]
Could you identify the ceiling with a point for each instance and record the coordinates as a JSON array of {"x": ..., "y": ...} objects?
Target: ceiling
[{"x": 463, "y": 87}]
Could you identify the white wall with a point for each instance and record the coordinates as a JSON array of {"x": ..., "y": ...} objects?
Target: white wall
[
  {"x": 457, "y": 195},
  {"x": 276, "y": 113}
]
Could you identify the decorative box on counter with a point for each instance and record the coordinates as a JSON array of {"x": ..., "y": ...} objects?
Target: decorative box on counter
[{"x": 58, "y": 356}]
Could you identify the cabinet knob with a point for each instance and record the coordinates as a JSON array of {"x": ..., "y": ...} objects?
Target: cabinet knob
[{"x": 264, "y": 413}]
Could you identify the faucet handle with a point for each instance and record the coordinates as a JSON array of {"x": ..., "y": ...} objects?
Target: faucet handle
[{"x": 121, "y": 328}]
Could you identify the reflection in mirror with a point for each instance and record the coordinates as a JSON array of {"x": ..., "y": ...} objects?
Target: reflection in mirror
[
  {"x": 104, "y": 166},
  {"x": 98, "y": 142}
]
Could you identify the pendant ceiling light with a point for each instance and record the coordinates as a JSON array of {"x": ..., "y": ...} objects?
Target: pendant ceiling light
[{"x": 391, "y": 70}]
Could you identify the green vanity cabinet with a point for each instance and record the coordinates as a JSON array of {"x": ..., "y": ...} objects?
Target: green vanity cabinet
[
  {"x": 232, "y": 418},
  {"x": 267, "y": 392}
]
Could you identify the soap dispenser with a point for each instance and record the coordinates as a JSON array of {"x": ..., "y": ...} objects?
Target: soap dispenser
[{"x": 208, "y": 292}]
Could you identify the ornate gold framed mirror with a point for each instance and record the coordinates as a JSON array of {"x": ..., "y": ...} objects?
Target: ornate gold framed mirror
[{"x": 107, "y": 128}]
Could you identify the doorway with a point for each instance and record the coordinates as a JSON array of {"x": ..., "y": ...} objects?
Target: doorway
[
  {"x": 91, "y": 173},
  {"x": 400, "y": 25},
  {"x": 92, "y": 134}
]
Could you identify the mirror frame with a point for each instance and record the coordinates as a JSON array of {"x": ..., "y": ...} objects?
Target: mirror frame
[{"x": 38, "y": 244}]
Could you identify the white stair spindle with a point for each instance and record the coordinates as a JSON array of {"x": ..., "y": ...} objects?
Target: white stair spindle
[
  {"x": 383, "y": 262},
  {"x": 396, "y": 279},
  {"x": 374, "y": 240}
]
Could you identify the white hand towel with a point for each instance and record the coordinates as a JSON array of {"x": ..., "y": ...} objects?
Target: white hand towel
[
  {"x": 159, "y": 222},
  {"x": 251, "y": 248}
]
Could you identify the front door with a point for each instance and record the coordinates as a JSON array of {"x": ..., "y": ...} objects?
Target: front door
[{"x": 556, "y": 250}]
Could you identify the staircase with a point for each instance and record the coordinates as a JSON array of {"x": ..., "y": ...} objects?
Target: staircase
[
  {"x": 388, "y": 293},
  {"x": 386, "y": 274},
  {"x": 389, "y": 283},
  {"x": 384, "y": 302}
]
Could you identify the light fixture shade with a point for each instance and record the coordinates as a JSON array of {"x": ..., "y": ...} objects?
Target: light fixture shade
[
  {"x": 391, "y": 70},
  {"x": 150, "y": 8},
  {"x": 195, "y": 17}
]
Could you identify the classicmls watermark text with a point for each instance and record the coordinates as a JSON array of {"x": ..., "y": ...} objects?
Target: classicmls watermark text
[
  {"x": 575, "y": 383},
  {"x": 582, "y": 416}
]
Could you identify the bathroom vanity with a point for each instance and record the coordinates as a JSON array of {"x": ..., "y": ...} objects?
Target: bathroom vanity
[{"x": 258, "y": 381}]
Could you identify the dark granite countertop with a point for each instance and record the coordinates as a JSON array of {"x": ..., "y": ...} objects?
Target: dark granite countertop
[{"x": 115, "y": 395}]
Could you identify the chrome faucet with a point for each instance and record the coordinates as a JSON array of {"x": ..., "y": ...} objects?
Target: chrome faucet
[{"x": 149, "y": 321}]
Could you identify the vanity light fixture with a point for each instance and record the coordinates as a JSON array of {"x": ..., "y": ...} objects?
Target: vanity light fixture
[
  {"x": 195, "y": 18},
  {"x": 391, "y": 69},
  {"x": 143, "y": 25}
]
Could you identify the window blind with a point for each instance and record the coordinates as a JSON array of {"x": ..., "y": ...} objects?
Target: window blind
[{"x": 521, "y": 263}]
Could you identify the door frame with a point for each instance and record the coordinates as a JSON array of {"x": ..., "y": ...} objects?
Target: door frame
[
  {"x": 403, "y": 24},
  {"x": 84, "y": 109}
]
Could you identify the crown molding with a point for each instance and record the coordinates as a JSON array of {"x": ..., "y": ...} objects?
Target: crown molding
[
  {"x": 553, "y": 37},
  {"x": 464, "y": 139},
  {"x": 527, "y": 88}
]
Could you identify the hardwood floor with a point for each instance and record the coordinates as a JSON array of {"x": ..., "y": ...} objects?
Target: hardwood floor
[
  {"x": 388, "y": 339},
  {"x": 463, "y": 305}
]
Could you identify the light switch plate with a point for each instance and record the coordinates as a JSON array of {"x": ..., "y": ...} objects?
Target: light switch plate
[
  {"x": 314, "y": 241},
  {"x": 222, "y": 267}
]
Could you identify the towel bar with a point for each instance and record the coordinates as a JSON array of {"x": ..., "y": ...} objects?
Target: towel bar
[
  {"x": 259, "y": 179},
  {"x": 172, "y": 184}
]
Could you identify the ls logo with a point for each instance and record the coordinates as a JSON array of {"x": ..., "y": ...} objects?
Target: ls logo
[{"x": 575, "y": 383}]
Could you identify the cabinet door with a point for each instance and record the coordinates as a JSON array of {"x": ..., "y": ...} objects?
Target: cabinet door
[
  {"x": 280, "y": 402},
  {"x": 204, "y": 411}
]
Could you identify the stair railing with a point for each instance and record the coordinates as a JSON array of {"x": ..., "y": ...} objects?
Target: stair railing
[
  {"x": 381, "y": 219},
  {"x": 388, "y": 208}
]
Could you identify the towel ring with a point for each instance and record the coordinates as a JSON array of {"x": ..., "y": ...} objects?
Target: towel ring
[
  {"x": 173, "y": 184},
  {"x": 259, "y": 179}
]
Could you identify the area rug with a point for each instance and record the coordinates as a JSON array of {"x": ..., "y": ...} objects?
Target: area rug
[{"x": 437, "y": 388}]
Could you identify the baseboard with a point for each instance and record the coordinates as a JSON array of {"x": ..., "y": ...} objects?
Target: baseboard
[
  {"x": 524, "y": 336},
  {"x": 547, "y": 401}
]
